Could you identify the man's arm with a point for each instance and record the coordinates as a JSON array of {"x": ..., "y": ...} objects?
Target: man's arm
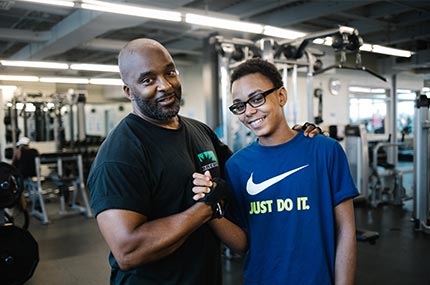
[
  {"x": 134, "y": 240},
  {"x": 230, "y": 234},
  {"x": 346, "y": 251}
]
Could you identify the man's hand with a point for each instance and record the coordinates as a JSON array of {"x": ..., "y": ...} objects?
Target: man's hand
[
  {"x": 309, "y": 129},
  {"x": 213, "y": 192}
]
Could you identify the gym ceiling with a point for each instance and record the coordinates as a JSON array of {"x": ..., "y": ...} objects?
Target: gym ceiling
[{"x": 31, "y": 31}]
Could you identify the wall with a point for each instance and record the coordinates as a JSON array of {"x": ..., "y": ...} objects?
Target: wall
[{"x": 192, "y": 86}]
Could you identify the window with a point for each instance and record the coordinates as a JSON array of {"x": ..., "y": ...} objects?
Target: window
[{"x": 369, "y": 107}]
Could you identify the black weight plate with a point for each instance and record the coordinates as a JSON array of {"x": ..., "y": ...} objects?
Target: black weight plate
[{"x": 19, "y": 255}]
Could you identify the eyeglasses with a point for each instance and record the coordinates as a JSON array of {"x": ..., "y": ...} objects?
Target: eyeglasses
[{"x": 255, "y": 101}]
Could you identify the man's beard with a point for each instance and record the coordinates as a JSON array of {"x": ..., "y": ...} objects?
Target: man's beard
[{"x": 151, "y": 108}]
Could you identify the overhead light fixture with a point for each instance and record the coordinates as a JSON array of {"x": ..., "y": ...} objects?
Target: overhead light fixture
[
  {"x": 214, "y": 22},
  {"x": 282, "y": 33},
  {"x": 106, "y": 81},
  {"x": 328, "y": 41},
  {"x": 390, "y": 51},
  {"x": 131, "y": 10},
  {"x": 63, "y": 3},
  {"x": 19, "y": 78},
  {"x": 226, "y": 24},
  {"x": 73, "y": 80},
  {"x": 35, "y": 64},
  {"x": 94, "y": 67}
]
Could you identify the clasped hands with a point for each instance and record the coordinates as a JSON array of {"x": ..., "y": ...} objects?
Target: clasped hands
[{"x": 212, "y": 191}]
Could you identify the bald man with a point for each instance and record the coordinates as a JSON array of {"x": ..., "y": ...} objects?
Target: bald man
[{"x": 141, "y": 179}]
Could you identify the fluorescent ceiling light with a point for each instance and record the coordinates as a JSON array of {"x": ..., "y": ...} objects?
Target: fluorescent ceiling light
[
  {"x": 213, "y": 22},
  {"x": 94, "y": 67},
  {"x": 106, "y": 81},
  {"x": 19, "y": 78},
  {"x": 282, "y": 33},
  {"x": 131, "y": 10},
  {"x": 391, "y": 51},
  {"x": 369, "y": 48},
  {"x": 35, "y": 64},
  {"x": 70, "y": 80},
  {"x": 52, "y": 2},
  {"x": 75, "y": 80},
  {"x": 366, "y": 47},
  {"x": 223, "y": 23}
]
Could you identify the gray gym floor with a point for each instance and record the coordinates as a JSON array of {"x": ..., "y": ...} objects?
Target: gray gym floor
[{"x": 72, "y": 250}]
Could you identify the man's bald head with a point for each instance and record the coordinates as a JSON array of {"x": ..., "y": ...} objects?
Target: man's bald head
[{"x": 137, "y": 48}]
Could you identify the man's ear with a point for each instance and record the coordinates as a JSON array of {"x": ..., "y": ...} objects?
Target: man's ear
[{"x": 126, "y": 91}]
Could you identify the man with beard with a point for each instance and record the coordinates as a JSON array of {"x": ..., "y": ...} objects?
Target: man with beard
[{"x": 141, "y": 180}]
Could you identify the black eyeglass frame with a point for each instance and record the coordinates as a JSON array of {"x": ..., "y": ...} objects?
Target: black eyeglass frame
[{"x": 233, "y": 107}]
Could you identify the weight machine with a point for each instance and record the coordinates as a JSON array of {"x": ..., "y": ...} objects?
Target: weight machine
[
  {"x": 356, "y": 148},
  {"x": 45, "y": 118},
  {"x": 387, "y": 184},
  {"x": 63, "y": 178},
  {"x": 289, "y": 56},
  {"x": 421, "y": 202}
]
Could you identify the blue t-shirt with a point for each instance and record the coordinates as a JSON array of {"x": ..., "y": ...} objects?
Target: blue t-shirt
[{"x": 284, "y": 197}]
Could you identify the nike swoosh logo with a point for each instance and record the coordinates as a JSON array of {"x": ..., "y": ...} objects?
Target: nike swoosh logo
[{"x": 253, "y": 188}]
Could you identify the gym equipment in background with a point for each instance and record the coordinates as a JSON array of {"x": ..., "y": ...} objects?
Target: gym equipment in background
[
  {"x": 385, "y": 179},
  {"x": 19, "y": 251},
  {"x": 356, "y": 149},
  {"x": 421, "y": 207},
  {"x": 68, "y": 174}
]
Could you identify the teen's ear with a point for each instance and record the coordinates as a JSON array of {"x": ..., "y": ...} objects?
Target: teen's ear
[{"x": 283, "y": 96}]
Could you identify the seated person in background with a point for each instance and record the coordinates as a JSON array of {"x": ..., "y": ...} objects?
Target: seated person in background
[{"x": 23, "y": 158}]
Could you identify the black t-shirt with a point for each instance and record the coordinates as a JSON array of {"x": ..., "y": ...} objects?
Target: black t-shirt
[
  {"x": 147, "y": 169},
  {"x": 26, "y": 164}
]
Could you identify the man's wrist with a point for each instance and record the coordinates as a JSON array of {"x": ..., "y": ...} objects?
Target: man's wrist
[{"x": 218, "y": 210}]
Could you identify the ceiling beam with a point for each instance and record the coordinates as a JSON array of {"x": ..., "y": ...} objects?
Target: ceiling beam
[
  {"x": 80, "y": 26},
  {"x": 25, "y": 36}
]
